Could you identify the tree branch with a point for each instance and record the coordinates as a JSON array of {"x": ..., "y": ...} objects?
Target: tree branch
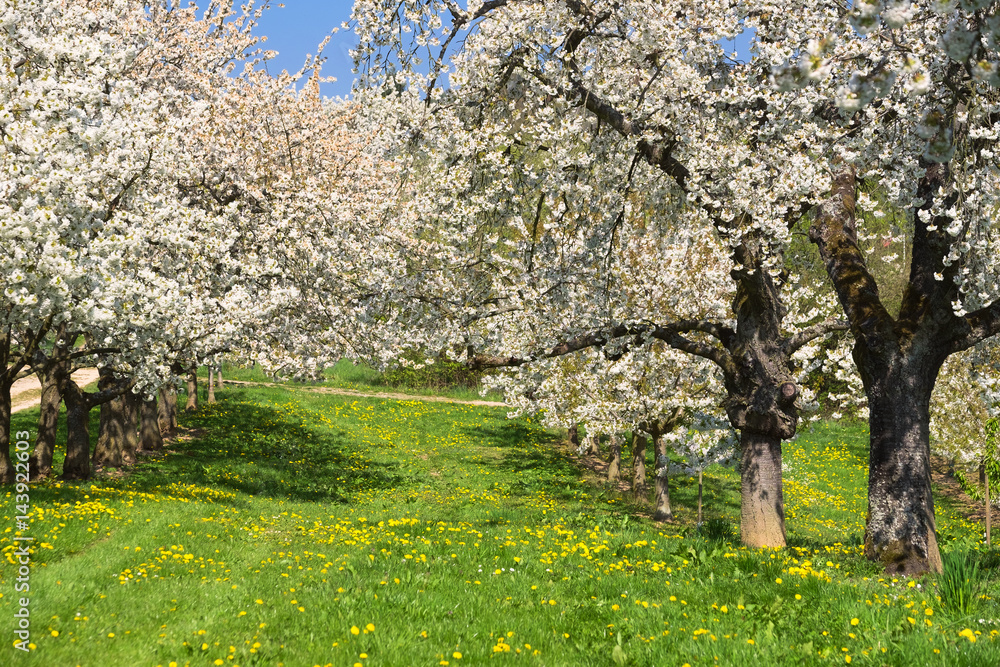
[
  {"x": 808, "y": 334},
  {"x": 834, "y": 233},
  {"x": 669, "y": 334}
]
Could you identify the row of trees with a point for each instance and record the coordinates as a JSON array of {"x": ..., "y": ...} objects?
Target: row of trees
[
  {"x": 165, "y": 200},
  {"x": 571, "y": 133},
  {"x": 643, "y": 228}
]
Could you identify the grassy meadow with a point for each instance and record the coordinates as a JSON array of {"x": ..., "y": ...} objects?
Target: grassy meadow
[{"x": 290, "y": 528}]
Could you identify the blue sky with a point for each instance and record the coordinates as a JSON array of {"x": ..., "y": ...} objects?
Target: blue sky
[{"x": 297, "y": 29}]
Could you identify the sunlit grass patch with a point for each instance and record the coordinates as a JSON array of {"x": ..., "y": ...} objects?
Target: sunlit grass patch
[{"x": 304, "y": 529}]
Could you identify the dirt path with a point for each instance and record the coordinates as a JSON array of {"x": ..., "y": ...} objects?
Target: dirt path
[
  {"x": 27, "y": 392},
  {"x": 946, "y": 485},
  {"x": 361, "y": 394}
]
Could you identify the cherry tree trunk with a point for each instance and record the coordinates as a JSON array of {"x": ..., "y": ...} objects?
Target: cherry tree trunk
[
  {"x": 167, "y": 411},
  {"x": 211, "y": 385},
  {"x": 901, "y": 524},
  {"x": 762, "y": 504},
  {"x": 6, "y": 467},
  {"x": 150, "y": 439},
  {"x": 218, "y": 377},
  {"x": 639, "y": 489},
  {"x": 661, "y": 491},
  {"x": 573, "y": 433},
  {"x": 593, "y": 444},
  {"x": 110, "y": 449},
  {"x": 615, "y": 461},
  {"x": 192, "y": 392},
  {"x": 77, "y": 463},
  {"x": 48, "y": 421}
]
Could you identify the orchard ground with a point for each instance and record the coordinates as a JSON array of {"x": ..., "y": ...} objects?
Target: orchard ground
[{"x": 296, "y": 528}]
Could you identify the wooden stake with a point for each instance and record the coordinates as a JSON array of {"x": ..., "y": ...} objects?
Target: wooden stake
[
  {"x": 986, "y": 494},
  {"x": 699, "y": 497}
]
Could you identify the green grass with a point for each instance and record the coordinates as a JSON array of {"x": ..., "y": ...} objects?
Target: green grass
[
  {"x": 297, "y": 519},
  {"x": 345, "y": 374}
]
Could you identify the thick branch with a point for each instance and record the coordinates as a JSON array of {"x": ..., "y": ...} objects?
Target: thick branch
[
  {"x": 808, "y": 334},
  {"x": 834, "y": 233},
  {"x": 669, "y": 334},
  {"x": 977, "y": 326}
]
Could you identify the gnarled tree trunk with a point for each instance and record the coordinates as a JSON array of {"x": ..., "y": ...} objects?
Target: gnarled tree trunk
[{"x": 899, "y": 358}]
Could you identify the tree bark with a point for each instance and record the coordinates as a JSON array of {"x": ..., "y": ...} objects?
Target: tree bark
[
  {"x": 167, "y": 411},
  {"x": 615, "y": 460},
  {"x": 211, "y": 385},
  {"x": 133, "y": 403},
  {"x": 593, "y": 444},
  {"x": 77, "y": 463},
  {"x": 192, "y": 391},
  {"x": 573, "y": 433},
  {"x": 218, "y": 377},
  {"x": 901, "y": 523},
  {"x": 117, "y": 441},
  {"x": 639, "y": 488},
  {"x": 110, "y": 449},
  {"x": 150, "y": 439},
  {"x": 662, "y": 512},
  {"x": 7, "y": 472},
  {"x": 78, "y": 406},
  {"x": 48, "y": 423},
  {"x": 899, "y": 360},
  {"x": 762, "y": 505}
]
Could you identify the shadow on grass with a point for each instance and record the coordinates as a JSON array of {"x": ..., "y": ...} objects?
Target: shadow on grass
[
  {"x": 530, "y": 454},
  {"x": 255, "y": 449}
]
